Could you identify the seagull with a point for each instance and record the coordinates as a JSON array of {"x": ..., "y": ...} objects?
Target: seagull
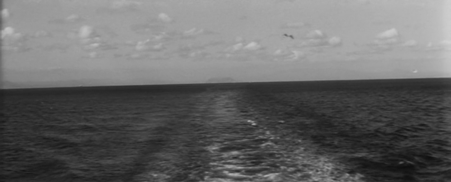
[{"x": 290, "y": 36}]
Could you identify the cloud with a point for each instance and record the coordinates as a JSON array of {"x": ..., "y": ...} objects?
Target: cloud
[
  {"x": 280, "y": 52},
  {"x": 88, "y": 35},
  {"x": 242, "y": 51},
  {"x": 235, "y": 47},
  {"x": 85, "y": 32},
  {"x": 9, "y": 32},
  {"x": 90, "y": 39},
  {"x": 297, "y": 55},
  {"x": 288, "y": 55},
  {"x": 165, "y": 18},
  {"x": 125, "y": 4},
  {"x": 189, "y": 50},
  {"x": 42, "y": 33},
  {"x": 295, "y": 25},
  {"x": 252, "y": 46},
  {"x": 280, "y": 1},
  {"x": 194, "y": 32},
  {"x": 162, "y": 36},
  {"x": 409, "y": 43},
  {"x": 318, "y": 38},
  {"x": 388, "y": 37},
  {"x": 62, "y": 47},
  {"x": 99, "y": 46},
  {"x": 5, "y": 13},
  {"x": 197, "y": 55},
  {"x": 10, "y": 35},
  {"x": 315, "y": 42},
  {"x": 93, "y": 55},
  {"x": 120, "y": 6},
  {"x": 239, "y": 39},
  {"x": 316, "y": 34},
  {"x": 14, "y": 41},
  {"x": 335, "y": 41},
  {"x": 214, "y": 43},
  {"x": 157, "y": 24},
  {"x": 147, "y": 45},
  {"x": 138, "y": 56},
  {"x": 190, "y": 47},
  {"x": 387, "y": 41},
  {"x": 444, "y": 45},
  {"x": 146, "y": 28},
  {"x": 240, "y": 46},
  {"x": 107, "y": 31},
  {"x": 74, "y": 18}
]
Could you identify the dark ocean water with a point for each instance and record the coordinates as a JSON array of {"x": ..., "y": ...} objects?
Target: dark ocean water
[{"x": 393, "y": 130}]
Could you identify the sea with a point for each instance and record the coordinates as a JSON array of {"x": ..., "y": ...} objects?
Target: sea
[{"x": 396, "y": 130}]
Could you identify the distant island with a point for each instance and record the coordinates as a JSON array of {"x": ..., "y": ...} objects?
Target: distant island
[{"x": 221, "y": 80}]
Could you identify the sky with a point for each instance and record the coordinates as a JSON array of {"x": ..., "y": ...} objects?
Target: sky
[{"x": 55, "y": 43}]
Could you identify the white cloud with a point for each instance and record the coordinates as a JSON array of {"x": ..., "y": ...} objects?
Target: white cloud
[
  {"x": 195, "y": 32},
  {"x": 288, "y": 55},
  {"x": 386, "y": 41},
  {"x": 239, "y": 39},
  {"x": 252, "y": 46},
  {"x": 316, "y": 34},
  {"x": 197, "y": 55},
  {"x": 138, "y": 56},
  {"x": 444, "y": 45},
  {"x": 335, "y": 41},
  {"x": 295, "y": 25},
  {"x": 235, "y": 47},
  {"x": 12, "y": 40},
  {"x": 74, "y": 18},
  {"x": 280, "y": 52},
  {"x": 97, "y": 45},
  {"x": 318, "y": 38},
  {"x": 314, "y": 43},
  {"x": 8, "y": 32},
  {"x": 92, "y": 46},
  {"x": 85, "y": 32},
  {"x": 161, "y": 36},
  {"x": 42, "y": 33},
  {"x": 142, "y": 45},
  {"x": 147, "y": 45},
  {"x": 388, "y": 37},
  {"x": 93, "y": 55},
  {"x": 125, "y": 4},
  {"x": 297, "y": 55},
  {"x": 120, "y": 6},
  {"x": 5, "y": 13},
  {"x": 409, "y": 43},
  {"x": 165, "y": 18},
  {"x": 146, "y": 28},
  {"x": 388, "y": 34},
  {"x": 62, "y": 47},
  {"x": 158, "y": 47}
]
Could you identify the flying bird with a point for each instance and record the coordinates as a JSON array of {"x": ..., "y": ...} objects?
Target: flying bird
[{"x": 290, "y": 36}]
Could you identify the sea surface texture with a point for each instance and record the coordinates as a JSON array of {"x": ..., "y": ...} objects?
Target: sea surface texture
[{"x": 395, "y": 130}]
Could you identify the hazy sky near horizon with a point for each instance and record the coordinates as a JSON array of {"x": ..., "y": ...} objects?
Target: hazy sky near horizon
[{"x": 61, "y": 42}]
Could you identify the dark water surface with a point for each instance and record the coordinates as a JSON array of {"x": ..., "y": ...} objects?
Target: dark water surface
[{"x": 394, "y": 130}]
